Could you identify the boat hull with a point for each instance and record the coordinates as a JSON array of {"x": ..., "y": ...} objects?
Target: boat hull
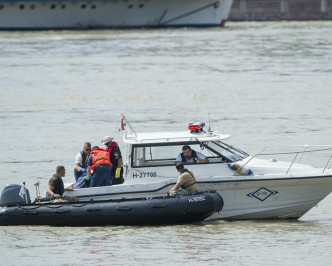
[
  {"x": 39, "y": 15},
  {"x": 245, "y": 197},
  {"x": 271, "y": 198},
  {"x": 143, "y": 211}
]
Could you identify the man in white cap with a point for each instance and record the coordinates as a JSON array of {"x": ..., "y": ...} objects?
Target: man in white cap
[{"x": 116, "y": 160}]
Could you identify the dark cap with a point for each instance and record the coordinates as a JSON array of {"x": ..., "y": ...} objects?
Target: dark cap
[{"x": 179, "y": 166}]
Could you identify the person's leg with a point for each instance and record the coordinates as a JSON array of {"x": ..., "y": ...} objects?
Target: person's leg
[
  {"x": 80, "y": 183},
  {"x": 106, "y": 178},
  {"x": 97, "y": 179},
  {"x": 112, "y": 176}
]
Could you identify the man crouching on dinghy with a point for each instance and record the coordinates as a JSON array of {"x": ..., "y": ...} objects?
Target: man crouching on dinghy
[
  {"x": 55, "y": 186},
  {"x": 186, "y": 183}
]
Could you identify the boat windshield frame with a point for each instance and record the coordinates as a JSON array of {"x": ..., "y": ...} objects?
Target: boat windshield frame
[{"x": 225, "y": 154}]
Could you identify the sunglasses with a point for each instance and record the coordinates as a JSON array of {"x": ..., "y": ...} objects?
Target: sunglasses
[{"x": 88, "y": 149}]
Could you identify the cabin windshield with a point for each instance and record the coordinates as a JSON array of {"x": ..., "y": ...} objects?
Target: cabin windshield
[{"x": 145, "y": 155}]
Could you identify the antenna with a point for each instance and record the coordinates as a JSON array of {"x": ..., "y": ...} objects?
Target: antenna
[{"x": 209, "y": 123}]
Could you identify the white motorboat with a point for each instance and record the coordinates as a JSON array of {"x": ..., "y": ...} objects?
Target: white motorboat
[
  {"x": 82, "y": 14},
  {"x": 252, "y": 188}
]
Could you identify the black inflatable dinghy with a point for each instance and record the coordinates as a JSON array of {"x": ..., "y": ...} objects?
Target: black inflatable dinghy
[{"x": 138, "y": 211}]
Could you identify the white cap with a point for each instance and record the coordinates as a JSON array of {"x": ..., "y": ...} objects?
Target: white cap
[{"x": 106, "y": 140}]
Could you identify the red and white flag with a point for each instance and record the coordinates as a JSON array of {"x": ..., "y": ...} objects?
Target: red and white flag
[{"x": 122, "y": 125}]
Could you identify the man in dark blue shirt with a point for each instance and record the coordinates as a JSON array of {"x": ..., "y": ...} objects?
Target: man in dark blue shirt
[{"x": 116, "y": 160}]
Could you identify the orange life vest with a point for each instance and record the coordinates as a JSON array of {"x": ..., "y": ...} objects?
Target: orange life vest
[{"x": 100, "y": 156}]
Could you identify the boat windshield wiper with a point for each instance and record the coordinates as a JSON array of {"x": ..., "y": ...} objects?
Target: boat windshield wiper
[{"x": 213, "y": 152}]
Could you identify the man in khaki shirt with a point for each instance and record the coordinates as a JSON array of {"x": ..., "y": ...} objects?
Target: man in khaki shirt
[{"x": 186, "y": 182}]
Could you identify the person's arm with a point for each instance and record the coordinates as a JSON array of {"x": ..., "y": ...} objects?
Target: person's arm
[
  {"x": 78, "y": 161},
  {"x": 118, "y": 169},
  {"x": 79, "y": 168},
  {"x": 49, "y": 191},
  {"x": 120, "y": 162},
  {"x": 88, "y": 171},
  {"x": 201, "y": 158},
  {"x": 175, "y": 188},
  {"x": 179, "y": 159},
  {"x": 70, "y": 188}
]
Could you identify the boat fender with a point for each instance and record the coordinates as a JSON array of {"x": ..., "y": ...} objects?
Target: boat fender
[{"x": 240, "y": 169}]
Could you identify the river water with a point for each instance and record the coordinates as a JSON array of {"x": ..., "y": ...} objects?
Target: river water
[{"x": 263, "y": 83}]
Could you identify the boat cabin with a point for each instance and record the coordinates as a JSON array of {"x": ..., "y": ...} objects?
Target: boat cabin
[{"x": 153, "y": 155}]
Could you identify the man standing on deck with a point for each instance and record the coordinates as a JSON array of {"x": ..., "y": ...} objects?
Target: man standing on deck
[
  {"x": 99, "y": 163},
  {"x": 82, "y": 160},
  {"x": 116, "y": 160}
]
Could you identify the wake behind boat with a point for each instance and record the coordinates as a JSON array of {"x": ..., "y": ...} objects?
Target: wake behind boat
[
  {"x": 135, "y": 211},
  {"x": 81, "y": 14},
  {"x": 252, "y": 188}
]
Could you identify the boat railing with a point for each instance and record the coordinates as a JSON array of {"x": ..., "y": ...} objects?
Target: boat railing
[{"x": 305, "y": 151}]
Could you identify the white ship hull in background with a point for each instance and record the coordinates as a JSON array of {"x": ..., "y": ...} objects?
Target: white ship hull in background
[{"x": 80, "y": 14}]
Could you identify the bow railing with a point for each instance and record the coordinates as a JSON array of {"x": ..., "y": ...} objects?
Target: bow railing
[{"x": 298, "y": 156}]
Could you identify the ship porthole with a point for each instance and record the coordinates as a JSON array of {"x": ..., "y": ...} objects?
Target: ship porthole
[
  {"x": 32, "y": 7},
  {"x": 93, "y": 7},
  {"x": 21, "y": 6},
  {"x": 83, "y": 6},
  {"x": 130, "y": 6},
  {"x": 1, "y": 6},
  {"x": 53, "y": 6},
  {"x": 141, "y": 5}
]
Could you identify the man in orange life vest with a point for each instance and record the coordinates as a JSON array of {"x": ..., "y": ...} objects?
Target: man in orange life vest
[{"x": 99, "y": 162}]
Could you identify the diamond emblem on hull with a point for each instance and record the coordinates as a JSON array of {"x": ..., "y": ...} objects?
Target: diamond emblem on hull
[{"x": 262, "y": 193}]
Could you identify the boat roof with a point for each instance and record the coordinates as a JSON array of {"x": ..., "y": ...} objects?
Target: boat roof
[{"x": 172, "y": 136}]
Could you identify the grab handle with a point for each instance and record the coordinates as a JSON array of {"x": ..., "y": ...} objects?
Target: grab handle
[
  {"x": 125, "y": 208},
  {"x": 93, "y": 210},
  {"x": 30, "y": 212},
  {"x": 62, "y": 211},
  {"x": 159, "y": 206}
]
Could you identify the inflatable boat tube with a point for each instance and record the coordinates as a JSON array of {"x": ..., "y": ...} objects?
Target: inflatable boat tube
[{"x": 140, "y": 211}]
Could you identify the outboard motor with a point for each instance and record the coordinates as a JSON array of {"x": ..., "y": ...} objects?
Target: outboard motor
[{"x": 14, "y": 195}]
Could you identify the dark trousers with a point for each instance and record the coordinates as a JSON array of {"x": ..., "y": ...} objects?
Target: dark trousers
[
  {"x": 78, "y": 174},
  {"x": 81, "y": 183},
  {"x": 100, "y": 178}
]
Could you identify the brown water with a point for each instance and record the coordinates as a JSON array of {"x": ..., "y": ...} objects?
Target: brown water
[{"x": 264, "y": 83}]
